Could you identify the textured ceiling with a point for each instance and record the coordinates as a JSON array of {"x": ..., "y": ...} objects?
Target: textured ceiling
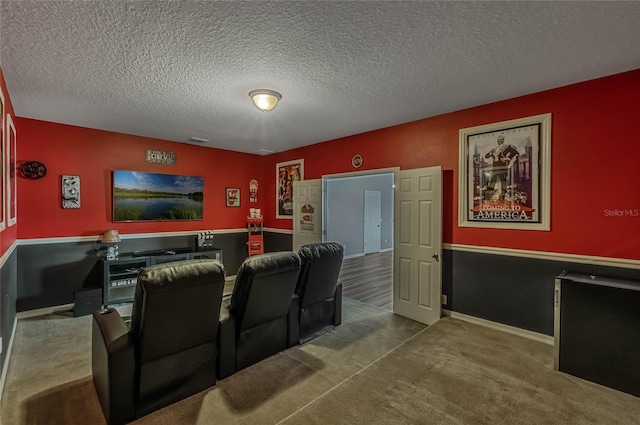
[{"x": 179, "y": 69}]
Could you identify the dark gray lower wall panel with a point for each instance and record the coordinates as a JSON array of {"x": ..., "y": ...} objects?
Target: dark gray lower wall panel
[
  {"x": 8, "y": 277},
  {"x": 447, "y": 276},
  {"x": 510, "y": 290},
  {"x": 234, "y": 250},
  {"x": 48, "y": 274},
  {"x": 275, "y": 241}
]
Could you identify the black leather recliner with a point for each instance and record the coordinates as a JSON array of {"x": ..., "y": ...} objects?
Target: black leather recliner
[
  {"x": 254, "y": 321},
  {"x": 170, "y": 351},
  {"x": 318, "y": 290}
]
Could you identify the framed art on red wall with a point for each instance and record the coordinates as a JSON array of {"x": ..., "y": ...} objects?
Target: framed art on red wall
[
  {"x": 142, "y": 196},
  {"x": 504, "y": 174},
  {"x": 233, "y": 197},
  {"x": 2, "y": 163},
  {"x": 10, "y": 174},
  {"x": 286, "y": 174}
]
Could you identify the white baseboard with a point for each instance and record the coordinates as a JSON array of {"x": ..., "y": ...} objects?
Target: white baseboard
[
  {"x": 43, "y": 311},
  {"x": 546, "y": 339},
  {"x": 360, "y": 254},
  {"x": 5, "y": 366}
]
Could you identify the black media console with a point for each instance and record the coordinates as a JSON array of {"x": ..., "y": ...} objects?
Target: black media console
[
  {"x": 597, "y": 329},
  {"x": 120, "y": 275}
]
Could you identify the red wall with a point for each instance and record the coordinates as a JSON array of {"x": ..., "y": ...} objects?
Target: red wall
[
  {"x": 595, "y": 157},
  {"x": 94, "y": 154}
]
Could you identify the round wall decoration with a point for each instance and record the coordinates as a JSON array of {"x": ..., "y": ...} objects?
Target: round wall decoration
[
  {"x": 356, "y": 161},
  {"x": 33, "y": 170}
]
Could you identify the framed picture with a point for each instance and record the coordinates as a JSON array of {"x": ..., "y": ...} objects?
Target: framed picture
[
  {"x": 2, "y": 164},
  {"x": 504, "y": 174},
  {"x": 233, "y": 196},
  {"x": 140, "y": 196},
  {"x": 70, "y": 191},
  {"x": 10, "y": 174},
  {"x": 286, "y": 174}
]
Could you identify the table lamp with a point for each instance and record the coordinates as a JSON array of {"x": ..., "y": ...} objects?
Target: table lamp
[{"x": 111, "y": 238}]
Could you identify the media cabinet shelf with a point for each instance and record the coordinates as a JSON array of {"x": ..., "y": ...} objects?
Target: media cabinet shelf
[{"x": 120, "y": 275}]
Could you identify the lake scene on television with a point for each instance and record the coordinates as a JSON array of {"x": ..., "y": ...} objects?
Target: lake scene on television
[{"x": 141, "y": 196}]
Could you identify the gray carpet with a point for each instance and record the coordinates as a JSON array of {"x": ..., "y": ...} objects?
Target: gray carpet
[{"x": 376, "y": 368}]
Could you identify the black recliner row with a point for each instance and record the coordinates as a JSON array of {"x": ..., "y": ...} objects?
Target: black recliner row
[
  {"x": 280, "y": 300},
  {"x": 184, "y": 334}
]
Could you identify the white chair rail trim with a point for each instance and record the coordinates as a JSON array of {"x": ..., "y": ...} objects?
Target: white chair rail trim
[{"x": 552, "y": 256}]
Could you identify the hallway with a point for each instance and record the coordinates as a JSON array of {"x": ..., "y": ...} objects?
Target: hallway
[{"x": 369, "y": 279}]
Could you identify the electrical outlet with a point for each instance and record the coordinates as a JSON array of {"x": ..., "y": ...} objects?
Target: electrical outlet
[
  {"x": 0, "y": 345},
  {"x": 385, "y": 240},
  {"x": 443, "y": 298}
]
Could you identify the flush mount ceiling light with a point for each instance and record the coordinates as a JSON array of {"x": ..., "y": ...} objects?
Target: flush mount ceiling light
[{"x": 264, "y": 99}]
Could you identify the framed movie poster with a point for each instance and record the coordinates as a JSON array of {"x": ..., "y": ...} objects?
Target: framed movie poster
[
  {"x": 286, "y": 174},
  {"x": 504, "y": 174},
  {"x": 233, "y": 196},
  {"x": 10, "y": 173},
  {"x": 3, "y": 200}
]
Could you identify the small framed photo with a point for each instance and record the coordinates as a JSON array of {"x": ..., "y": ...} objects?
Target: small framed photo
[
  {"x": 233, "y": 196},
  {"x": 504, "y": 174}
]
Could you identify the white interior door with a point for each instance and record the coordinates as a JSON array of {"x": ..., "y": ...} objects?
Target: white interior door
[
  {"x": 417, "y": 270},
  {"x": 372, "y": 221},
  {"x": 307, "y": 212}
]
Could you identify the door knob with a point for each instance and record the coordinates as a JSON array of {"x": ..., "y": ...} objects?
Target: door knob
[{"x": 436, "y": 257}]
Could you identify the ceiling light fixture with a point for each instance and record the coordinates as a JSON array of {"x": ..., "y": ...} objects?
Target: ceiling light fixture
[{"x": 264, "y": 99}]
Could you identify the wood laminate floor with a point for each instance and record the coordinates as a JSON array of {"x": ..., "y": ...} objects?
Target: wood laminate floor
[{"x": 369, "y": 279}]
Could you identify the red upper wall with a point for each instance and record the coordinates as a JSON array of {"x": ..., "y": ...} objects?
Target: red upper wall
[
  {"x": 595, "y": 157},
  {"x": 94, "y": 154}
]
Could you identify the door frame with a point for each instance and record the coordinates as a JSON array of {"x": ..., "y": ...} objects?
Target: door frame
[{"x": 390, "y": 170}]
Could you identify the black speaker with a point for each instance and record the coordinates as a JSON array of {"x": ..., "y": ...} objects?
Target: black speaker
[{"x": 86, "y": 301}]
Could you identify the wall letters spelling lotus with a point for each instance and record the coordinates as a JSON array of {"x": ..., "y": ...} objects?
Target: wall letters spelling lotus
[{"x": 141, "y": 196}]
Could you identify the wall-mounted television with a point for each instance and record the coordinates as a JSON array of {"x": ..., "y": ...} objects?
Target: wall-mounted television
[{"x": 139, "y": 196}]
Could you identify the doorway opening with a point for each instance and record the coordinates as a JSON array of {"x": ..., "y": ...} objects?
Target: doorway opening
[
  {"x": 417, "y": 234},
  {"x": 358, "y": 213}
]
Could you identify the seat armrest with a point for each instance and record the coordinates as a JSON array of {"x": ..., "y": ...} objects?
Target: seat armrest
[
  {"x": 113, "y": 366},
  {"x": 293, "y": 319},
  {"x": 226, "y": 362},
  {"x": 337, "y": 316}
]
